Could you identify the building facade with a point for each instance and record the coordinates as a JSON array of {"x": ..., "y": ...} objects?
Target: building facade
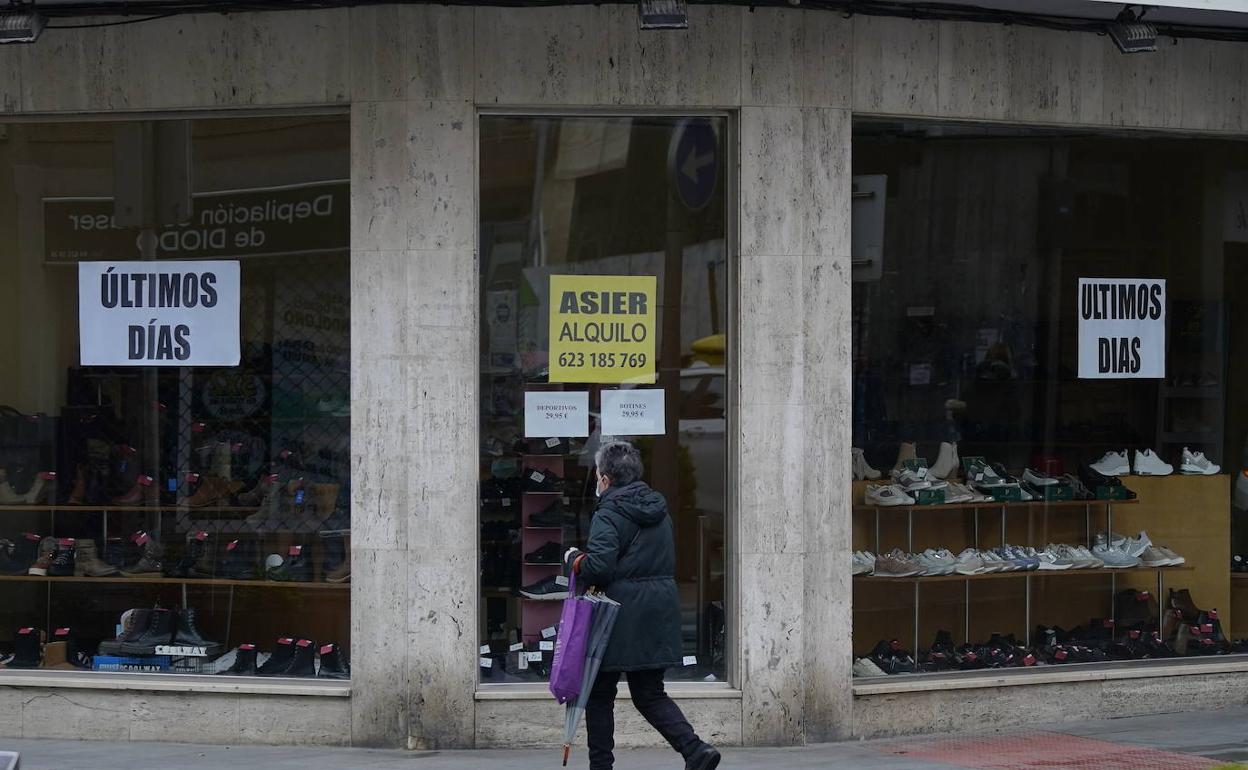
[{"x": 417, "y": 84}]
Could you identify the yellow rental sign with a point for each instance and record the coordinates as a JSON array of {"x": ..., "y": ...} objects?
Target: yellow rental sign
[{"x": 602, "y": 328}]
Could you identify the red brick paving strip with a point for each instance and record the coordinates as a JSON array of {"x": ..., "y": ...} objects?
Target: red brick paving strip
[{"x": 1044, "y": 751}]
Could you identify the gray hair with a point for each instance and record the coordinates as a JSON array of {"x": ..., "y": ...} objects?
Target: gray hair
[{"x": 620, "y": 461}]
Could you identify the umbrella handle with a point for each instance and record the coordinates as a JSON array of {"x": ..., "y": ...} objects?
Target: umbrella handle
[{"x": 567, "y": 749}]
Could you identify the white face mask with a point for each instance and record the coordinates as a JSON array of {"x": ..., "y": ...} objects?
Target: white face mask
[{"x": 598, "y": 489}]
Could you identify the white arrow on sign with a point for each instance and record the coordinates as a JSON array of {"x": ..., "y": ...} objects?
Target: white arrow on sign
[{"x": 695, "y": 163}]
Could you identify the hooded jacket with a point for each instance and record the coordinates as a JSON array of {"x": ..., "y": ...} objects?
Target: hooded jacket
[{"x": 631, "y": 556}]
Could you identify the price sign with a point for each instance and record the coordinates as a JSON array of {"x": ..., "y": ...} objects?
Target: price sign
[
  {"x": 556, "y": 414},
  {"x": 633, "y": 412},
  {"x": 602, "y": 328}
]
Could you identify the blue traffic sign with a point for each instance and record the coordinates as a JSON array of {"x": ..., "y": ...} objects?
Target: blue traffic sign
[{"x": 693, "y": 162}]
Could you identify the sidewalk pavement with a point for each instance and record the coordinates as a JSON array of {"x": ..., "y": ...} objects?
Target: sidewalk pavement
[{"x": 1192, "y": 741}]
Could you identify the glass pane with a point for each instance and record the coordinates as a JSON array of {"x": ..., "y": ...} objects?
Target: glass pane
[
  {"x": 599, "y": 197},
  {"x": 189, "y": 519},
  {"x": 1077, "y": 434}
]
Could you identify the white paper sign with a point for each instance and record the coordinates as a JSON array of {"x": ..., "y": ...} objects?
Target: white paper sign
[
  {"x": 1122, "y": 328},
  {"x": 556, "y": 414},
  {"x": 159, "y": 313},
  {"x": 633, "y": 412}
]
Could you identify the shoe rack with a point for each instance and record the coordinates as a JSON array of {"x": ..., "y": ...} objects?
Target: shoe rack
[
  {"x": 536, "y": 614},
  {"x": 1186, "y": 513}
]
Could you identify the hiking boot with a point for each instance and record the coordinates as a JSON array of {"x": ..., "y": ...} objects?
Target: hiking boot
[
  {"x": 196, "y": 561},
  {"x": 280, "y": 659},
  {"x": 24, "y": 552},
  {"x": 244, "y": 661},
  {"x": 187, "y": 634},
  {"x": 297, "y": 567},
  {"x": 47, "y": 547},
  {"x": 159, "y": 631},
  {"x": 144, "y": 492},
  {"x": 133, "y": 624},
  {"x": 149, "y": 564},
  {"x": 87, "y": 561},
  {"x": 239, "y": 561},
  {"x": 333, "y": 663},
  {"x": 303, "y": 662},
  {"x": 341, "y": 547},
  {"x": 705, "y": 757},
  {"x": 213, "y": 490},
  {"x": 62, "y": 564}
]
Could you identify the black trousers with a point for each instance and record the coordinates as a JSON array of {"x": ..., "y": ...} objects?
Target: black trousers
[{"x": 650, "y": 699}]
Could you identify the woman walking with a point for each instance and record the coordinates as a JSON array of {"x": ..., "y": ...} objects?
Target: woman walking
[{"x": 632, "y": 557}]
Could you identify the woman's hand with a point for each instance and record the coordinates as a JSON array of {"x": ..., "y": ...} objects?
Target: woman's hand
[{"x": 570, "y": 557}]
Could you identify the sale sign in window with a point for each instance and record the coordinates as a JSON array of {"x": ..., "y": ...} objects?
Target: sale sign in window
[{"x": 602, "y": 328}]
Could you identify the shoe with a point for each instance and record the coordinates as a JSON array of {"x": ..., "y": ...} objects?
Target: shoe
[
  {"x": 144, "y": 492},
  {"x": 905, "y": 452},
  {"x": 890, "y": 658},
  {"x": 333, "y": 663},
  {"x": 1005, "y": 475},
  {"x": 75, "y": 658},
  {"x": 706, "y": 757},
  {"x": 866, "y": 667},
  {"x": 342, "y": 572},
  {"x": 303, "y": 662},
  {"x": 239, "y": 561},
  {"x": 196, "y": 559},
  {"x": 244, "y": 662},
  {"x": 1026, "y": 558},
  {"x": 550, "y": 554},
  {"x": 887, "y": 495},
  {"x": 1112, "y": 464},
  {"x": 1051, "y": 559},
  {"x": 18, "y": 558},
  {"x": 27, "y": 649},
  {"x": 970, "y": 562},
  {"x": 958, "y": 493},
  {"x": 897, "y": 564},
  {"x": 1115, "y": 558},
  {"x": 993, "y": 562},
  {"x": 279, "y": 661},
  {"x": 149, "y": 564},
  {"x": 296, "y": 568},
  {"x": 549, "y": 589},
  {"x": 42, "y": 490},
  {"x": 553, "y": 515},
  {"x": 1079, "y": 490},
  {"x": 937, "y": 562},
  {"x": 1092, "y": 560},
  {"x": 1038, "y": 479},
  {"x": 542, "y": 481},
  {"x": 186, "y": 633},
  {"x": 159, "y": 631},
  {"x": 1147, "y": 463},
  {"x": 213, "y": 490},
  {"x": 1132, "y": 545},
  {"x": 1175, "y": 559},
  {"x": 947, "y": 462},
  {"x": 87, "y": 562},
  {"x": 863, "y": 562},
  {"x": 47, "y": 547},
  {"x": 62, "y": 564},
  {"x": 859, "y": 467},
  {"x": 1196, "y": 464},
  {"x": 911, "y": 480},
  {"x": 982, "y": 475}
]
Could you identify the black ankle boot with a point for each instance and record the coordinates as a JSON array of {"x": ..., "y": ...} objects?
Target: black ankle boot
[
  {"x": 188, "y": 634},
  {"x": 303, "y": 663},
  {"x": 159, "y": 632},
  {"x": 73, "y": 655},
  {"x": 27, "y": 649},
  {"x": 333, "y": 663},
  {"x": 278, "y": 662},
  {"x": 244, "y": 661}
]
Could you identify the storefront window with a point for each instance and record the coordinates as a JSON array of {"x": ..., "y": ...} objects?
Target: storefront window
[
  {"x": 604, "y": 285},
  {"x": 174, "y": 428},
  {"x": 1048, "y": 446}
]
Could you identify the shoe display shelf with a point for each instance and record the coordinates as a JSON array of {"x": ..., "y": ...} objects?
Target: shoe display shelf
[
  {"x": 1096, "y": 514},
  {"x": 536, "y": 614}
]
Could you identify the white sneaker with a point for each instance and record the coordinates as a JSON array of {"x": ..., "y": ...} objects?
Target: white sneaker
[
  {"x": 1089, "y": 559},
  {"x": 1038, "y": 479},
  {"x": 993, "y": 561},
  {"x": 1147, "y": 463},
  {"x": 1155, "y": 557},
  {"x": 864, "y": 562},
  {"x": 867, "y": 667},
  {"x": 1175, "y": 559},
  {"x": 1112, "y": 464},
  {"x": 1051, "y": 560},
  {"x": 958, "y": 493},
  {"x": 1196, "y": 464},
  {"x": 934, "y": 563},
  {"x": 970, "y": 562},
  {"x": 1115, "y": 558},
  {"x": 947, "y": 462},
  {"x": 910, "y": 480},
  {"x": 860, "y": 467},
  {"x": 887, "y": 495}
]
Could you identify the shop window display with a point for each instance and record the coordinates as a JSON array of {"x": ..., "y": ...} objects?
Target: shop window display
[
  {"x": 604, "y": 283},
  {"x": 1029, "y": 491},
  {"x": 175, "y": 518}
]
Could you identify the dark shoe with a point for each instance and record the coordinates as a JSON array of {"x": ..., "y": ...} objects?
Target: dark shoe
[
  {"x": 24, "y": 554},
  {"x": 541, "y": 481},
  {"x": 554, "y": 515},
  {"x": 297, "y": 567},
  {"x": 27, "y": 649},
  {"x": 705, "y": 758},
  {"x": 333, "y": 663},
  {"x": 239, "y": 561},
  {"x": 159, "y": 632},
  {"x": 187, "y": 633},
  {"x": 278, "y": 662},
  {"x": 47, "y": 547},
  {"x": 196, "y": 559},
  {"x": 74, "y": 656},
  {"x": 551, "y": 589},
  {"x": 62, "y": 564},
  {"x": 244, "y": 662},
  {"x": 149, "y": 564},
  {"x": 135, "y": 623},
  {"x": 550, "y": 554},
  {"x": 303, "y": 662}
]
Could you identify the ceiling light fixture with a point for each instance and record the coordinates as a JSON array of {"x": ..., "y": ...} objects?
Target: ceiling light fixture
[
  {"x": 663, "y": 14},
  {"x": 18, "y": 26},
  {"x": 1131, "y": 33}
]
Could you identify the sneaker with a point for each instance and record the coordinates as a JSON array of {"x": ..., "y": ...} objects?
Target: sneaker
[
  {"x": 959, "y": 493},
  {"x": 1196, "y": 464},
  {"x": 550, "y": 589},
  {"x": 541, "y": 481},
  {"x": 982, "y": 475},
  {"x": 1028, "y": 557},
  {"x": 947, "y": 462},
  {"x": 864, "y": 562},
  {"x": 993, "y": 562},
  {"x": 910, "y": 480},
  {"x": 1147, "y": 463},
  {"x": 1038, "y": 479},
  {"x": 1079, "y": 490},
  {"x": 897, "y": 564},
  {"x": 937, "y": 562},
  {"x": 867, "y": 667},
  {"x": 1004, "y": 474},
  {"x": 1175, "y": 559},
  {"x": 859, "y": 466},
  {"x": 1092, "y": 560},
  {"x": 553, "y": 515},
  {"x": 887, "y": 495},
  {"x": 550, "y": 554},
  {"x": 1155, "y": 557},
  {"x": 1115, "y": 558},
  {"x": 970, "y": 562},
  {"x": 1112, "y": 464},
  {"x": 1052, "y": 559}
]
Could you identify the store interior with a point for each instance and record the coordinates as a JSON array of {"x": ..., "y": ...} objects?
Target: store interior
[
  {"x": 177, "y": 519},
  {"x": 969, "y": 243}
]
